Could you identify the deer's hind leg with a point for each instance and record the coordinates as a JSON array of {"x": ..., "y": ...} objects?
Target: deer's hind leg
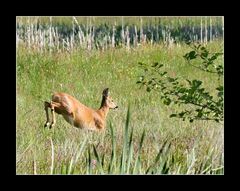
[
  {"x": 46, "y": 106},
  {"x": 54, "y": 105}
]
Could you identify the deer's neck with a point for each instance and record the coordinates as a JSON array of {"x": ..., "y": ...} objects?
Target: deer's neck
[{"x": 103, "y": 111}]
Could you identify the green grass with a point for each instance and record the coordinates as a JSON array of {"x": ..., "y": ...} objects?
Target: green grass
[{"x": 146, "y": 141}]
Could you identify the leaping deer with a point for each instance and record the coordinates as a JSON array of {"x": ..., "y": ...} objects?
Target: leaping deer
[{"x": 77, "y": 114}]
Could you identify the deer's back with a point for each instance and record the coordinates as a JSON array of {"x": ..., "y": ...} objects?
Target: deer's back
[{"x": 74, "y": 112}]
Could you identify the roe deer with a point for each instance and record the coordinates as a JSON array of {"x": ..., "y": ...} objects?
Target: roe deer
[{"x": 78, "y": 114}]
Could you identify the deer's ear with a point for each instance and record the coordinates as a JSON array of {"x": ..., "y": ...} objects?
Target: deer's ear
[{"x": 105, "y": 92}]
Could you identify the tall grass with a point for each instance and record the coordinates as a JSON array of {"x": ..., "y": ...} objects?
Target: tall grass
[{"x": 126, "y": 161}]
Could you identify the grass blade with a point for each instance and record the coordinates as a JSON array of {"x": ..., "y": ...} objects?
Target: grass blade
[
  {"x": 98, "y": 159},
  {"x": 103, "y": 157},
  {"x": 160, "y": 152},
  {"x": 191, "y": 161},
  {"x": 70, "y": 166},
  {"x": 89, "y": 161},
  {"x": 113, "y": 154},
  {"x": 151, "y": 168},
  {"x": 137, "y": 165},
  {"x": 52, "y": 157},
  {"x": 125, "y": 142},
  {"x": 165, "y": 168},
  {"x": 81, "y": 149},
  {"x": 130, "y": 152},
  {"x": 78, "y": 153}
]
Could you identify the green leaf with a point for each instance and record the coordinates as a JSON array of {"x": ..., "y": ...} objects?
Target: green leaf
[
  {"x": 173, "y": 115},
  {"x": 190, "y": 83},
  {"x": 218, "y": 54},
  {"x": 149, "y": 82},
  {"x": 196, "y": 83},
  {"x": 192, "y": 55},
  {"x": 220, "y": 94},
  {"x": 181, "y": 114},
  {"x": 160, "y": 65},
  {"x": 155, "y": 64},
  {"x": 167, "y": 101},
  {"x": 182, "y": 90},
  {"x": 219, "y": 88},
  {"x": 148, "y": 89},
  {"x": 162, "y": 74}
]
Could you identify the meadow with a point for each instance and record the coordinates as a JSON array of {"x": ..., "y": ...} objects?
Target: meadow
[{"x": 140, "y": 138}]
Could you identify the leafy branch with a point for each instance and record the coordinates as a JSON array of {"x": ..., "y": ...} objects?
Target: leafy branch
[
  {"x": 203, "y": 105},
  {"x": 208, "y": 63}
]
